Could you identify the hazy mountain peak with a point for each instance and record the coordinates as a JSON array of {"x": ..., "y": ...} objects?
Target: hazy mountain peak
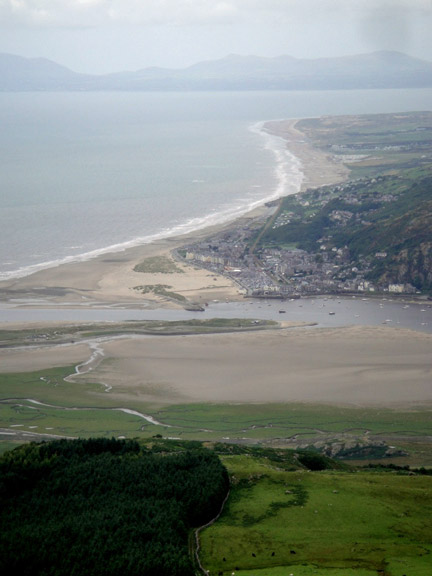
[{"x": 381, "y": 69}]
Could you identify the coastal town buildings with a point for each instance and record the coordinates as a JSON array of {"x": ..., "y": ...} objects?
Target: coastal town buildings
[{"x": 285, "y": 273}]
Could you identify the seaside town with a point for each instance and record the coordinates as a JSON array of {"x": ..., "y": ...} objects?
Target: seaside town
[
  {"x": 263, "y": 270},
  {"x": 369, "y": 233},
  {"x": 280, "y": 273}
]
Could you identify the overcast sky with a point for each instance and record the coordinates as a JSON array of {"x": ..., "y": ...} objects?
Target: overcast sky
[{"x": 100, "y": 36}]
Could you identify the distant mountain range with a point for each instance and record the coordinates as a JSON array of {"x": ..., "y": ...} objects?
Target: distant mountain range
[{"x": 382, "y": 69}]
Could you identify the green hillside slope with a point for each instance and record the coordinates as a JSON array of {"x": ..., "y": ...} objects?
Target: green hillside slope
[{"x": 383, "y": 227}]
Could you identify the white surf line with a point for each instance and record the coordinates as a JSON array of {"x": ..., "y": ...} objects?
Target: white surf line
[
  {"x": 149, "y": 419},
  {"x": 288, "y": 169}
]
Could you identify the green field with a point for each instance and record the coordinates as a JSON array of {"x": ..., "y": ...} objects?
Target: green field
[
  {"x": 287, "y": 513},
  {"x": 330, "y": 523}
]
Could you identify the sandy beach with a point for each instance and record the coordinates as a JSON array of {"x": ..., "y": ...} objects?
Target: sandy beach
[{"x": 319, "y": 168}]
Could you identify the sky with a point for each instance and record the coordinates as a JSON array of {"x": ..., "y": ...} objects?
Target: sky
[{"x": 102, "y": 36}]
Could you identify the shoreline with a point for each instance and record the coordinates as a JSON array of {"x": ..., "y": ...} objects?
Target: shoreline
[
  {"x": 289, "y": 179},
  {"x": 342, "y": 365},
  {"x": 109, "y": 278}
]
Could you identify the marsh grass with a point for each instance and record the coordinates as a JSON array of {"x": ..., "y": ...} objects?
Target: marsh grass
[
  {"x": 158, "y": 265},
  {"x": 72, "y": 409},
  {"x": 286, "y": 420},
  {"x": 50, "y": 387},
  {"x": 83, "y": 423},
  {"x": 160, "y": 290},
  {"x": 83, "y": 407},
  {"x": 50, "y": 335}
]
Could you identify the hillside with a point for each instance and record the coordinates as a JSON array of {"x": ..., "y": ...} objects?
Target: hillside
[
  {"x": 382, "y": 226},
  {"x": 27, "y": 74},
  {"x": 280, "y": 521},
  {"x": 373, "y": 232},
  {"x": 402, "y": 231},
  {"x": 382, "y": 69},
  {"x": 100, "y": 506}
]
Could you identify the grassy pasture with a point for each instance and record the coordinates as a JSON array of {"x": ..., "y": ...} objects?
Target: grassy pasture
[
  {"x": 329, "y": 523},
  {"x": 281, "y": 420}
]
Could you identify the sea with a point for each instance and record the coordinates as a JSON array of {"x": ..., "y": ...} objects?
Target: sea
[{"x": 88, "y": 173}]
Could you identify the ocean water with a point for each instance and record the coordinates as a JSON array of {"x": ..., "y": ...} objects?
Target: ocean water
[{"x": 88, "y": 173}]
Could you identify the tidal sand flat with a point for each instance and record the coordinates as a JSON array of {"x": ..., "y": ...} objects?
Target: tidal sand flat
[
  {"x": 341, "y": 366},
  {"x": 358, "y": 366}
]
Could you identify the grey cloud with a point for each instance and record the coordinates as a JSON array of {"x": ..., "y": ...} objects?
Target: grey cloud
[
  {"x": 390, "y": 25},
  {"x": 40, "y": 13},
  {"x": 46, "y": 13}
]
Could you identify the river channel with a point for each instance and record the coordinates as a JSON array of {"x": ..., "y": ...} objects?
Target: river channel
[{"x": 324, "y": 311}]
